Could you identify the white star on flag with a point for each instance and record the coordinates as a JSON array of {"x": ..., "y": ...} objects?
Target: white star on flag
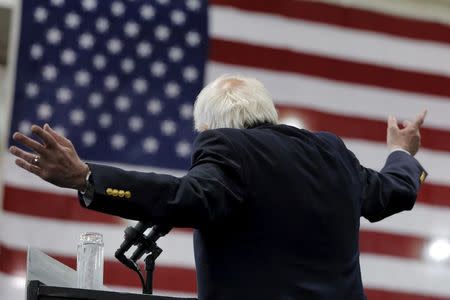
[
  {"x": 95, "y": 100},
  {"x": 154, "y": 106},
  {"x": 172, "y": 89},
  {"x": 176, "y": 54},
  {"x": 89, "y": 5},
  {"x": 102, "y": 25},
  {"x": 68, "y": 57},
  {"x": 117, "y": 8},
  {"x": 111, "y": 82},
  {"x": 131, "y": 29},
  {"x": 36, "y": 51},
  {"x": 77, "y": 116},
  {"x": 44, "y": 111},
  {"x": 135, "y": 123},
  {"x": 86, "y": 41},
  {"x": 40, "y": 14},
  {"x": 122, "y": 103},
  {"x": 147, "y": 12},
  {"x": 118, "y": 141},
  {"x": 158, "y": 69},
  {"x": 183, "y": 149},
  {"x": 168, "y": 127},
  {"x": 31, "y": 90},
  {"x": 178, "y": 17},
  {"x": 49, "y": 72},
  {"x": 105, "y": 120},
  {"x": 162, "y": 32},
  {"x": 63, "y": 95},
  {"x": 150, "y": 145},
  {"x": 72, "y": 20},
  {"x": 99, "y": 61},
  {"x": 89, "y": 138},
  {"x": 127, "y": 65}
]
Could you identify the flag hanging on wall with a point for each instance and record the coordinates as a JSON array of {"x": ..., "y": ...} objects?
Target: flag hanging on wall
[{"x": 120, "y": 77}]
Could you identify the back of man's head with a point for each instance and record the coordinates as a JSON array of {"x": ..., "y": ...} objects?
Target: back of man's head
[{"x": 233, "y": 101}]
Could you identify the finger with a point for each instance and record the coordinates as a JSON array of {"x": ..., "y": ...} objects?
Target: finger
[
  {"x": 28, "y": 157},
  {"x": 392, "y": 122},
  {"x": 29, "y": 142},
  {"x": 29, "y": 167},
  {"x": 59, "y": 138},
  {"x": 46, "y": 137},
  {"x": 420, "y": 118}
]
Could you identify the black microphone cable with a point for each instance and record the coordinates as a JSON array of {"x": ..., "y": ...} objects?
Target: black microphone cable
[{"x": 132, "y": 236}]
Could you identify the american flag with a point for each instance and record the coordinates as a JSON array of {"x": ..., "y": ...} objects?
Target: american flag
[{"x": 119, "y": 79}]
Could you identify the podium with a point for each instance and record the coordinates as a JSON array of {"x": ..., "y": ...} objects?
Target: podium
[
  {"x": 48, "y": 279},
  {"x": 36, "y": 290}
]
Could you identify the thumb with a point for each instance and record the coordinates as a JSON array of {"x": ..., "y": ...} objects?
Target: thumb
[{"x": 420, "y": 118}]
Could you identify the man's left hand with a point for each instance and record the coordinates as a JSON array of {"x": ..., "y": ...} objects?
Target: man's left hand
[{"x": 55, "y": 159}]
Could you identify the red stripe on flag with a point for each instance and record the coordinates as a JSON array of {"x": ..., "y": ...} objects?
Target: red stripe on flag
[
  {"x": 13, "y": 261},
  {"x": 346, "y": 17},
  {"x": 392, "y": 244},
  {"x": 242, "y": 54},
  {"x": 51, "y": 205},
  {"x": 378, "y": 294},
  {"x": 360, "y": 128},
  {"x": 434, "y": 194}
]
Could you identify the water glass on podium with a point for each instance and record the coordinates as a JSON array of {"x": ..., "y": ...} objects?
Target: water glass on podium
[{"x": 90, "y": 261}]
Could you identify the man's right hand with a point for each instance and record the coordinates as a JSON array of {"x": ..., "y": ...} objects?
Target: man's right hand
[
  {"x": 407, "y": 138},
  {"x": 54, "y": 158}
]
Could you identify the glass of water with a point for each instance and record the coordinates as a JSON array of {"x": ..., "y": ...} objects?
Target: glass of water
[{"x": 90, "y": 261}]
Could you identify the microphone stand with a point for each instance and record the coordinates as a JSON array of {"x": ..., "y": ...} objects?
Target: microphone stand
[{"x": 154, "y": 251}]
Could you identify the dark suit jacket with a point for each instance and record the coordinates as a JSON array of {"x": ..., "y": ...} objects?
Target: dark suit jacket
[{"x": 276, "y": 210}]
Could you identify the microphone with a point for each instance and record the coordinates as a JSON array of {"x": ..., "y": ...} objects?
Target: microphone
[
  {"x": 156, "y": 232},
  {"x": 132, "y": 236}
]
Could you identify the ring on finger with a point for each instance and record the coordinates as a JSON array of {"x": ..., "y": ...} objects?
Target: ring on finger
[{"x": 35, "y": 160}]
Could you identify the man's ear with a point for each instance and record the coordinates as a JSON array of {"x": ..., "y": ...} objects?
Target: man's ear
[{"x": 203, "y": 127}]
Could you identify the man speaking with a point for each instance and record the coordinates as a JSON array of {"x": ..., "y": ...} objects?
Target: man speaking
[{"x": 276, "y": 209}]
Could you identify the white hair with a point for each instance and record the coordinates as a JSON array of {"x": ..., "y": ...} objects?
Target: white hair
[{"x": 233, "y": 101}]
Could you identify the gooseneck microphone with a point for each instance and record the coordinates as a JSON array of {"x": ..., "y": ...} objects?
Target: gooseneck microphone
[
  {"x": 145, "y": 247},
  {"x": 132, "y": 237},
  {"x": 146, "y": 244}
]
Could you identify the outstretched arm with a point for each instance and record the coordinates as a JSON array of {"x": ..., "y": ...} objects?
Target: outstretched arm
[
  {"x": 395, "y": 187},
  {"x": 209, "y": 193}
]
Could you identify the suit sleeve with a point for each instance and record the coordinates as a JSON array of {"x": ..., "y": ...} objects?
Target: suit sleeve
[
  {"x": 391, "y": 190},
  {"x": 211, "y": 191}
]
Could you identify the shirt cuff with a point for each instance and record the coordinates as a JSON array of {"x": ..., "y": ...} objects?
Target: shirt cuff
[
  {"x": 88, "y": 195},
  {"x": 399, "y": 149}
]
